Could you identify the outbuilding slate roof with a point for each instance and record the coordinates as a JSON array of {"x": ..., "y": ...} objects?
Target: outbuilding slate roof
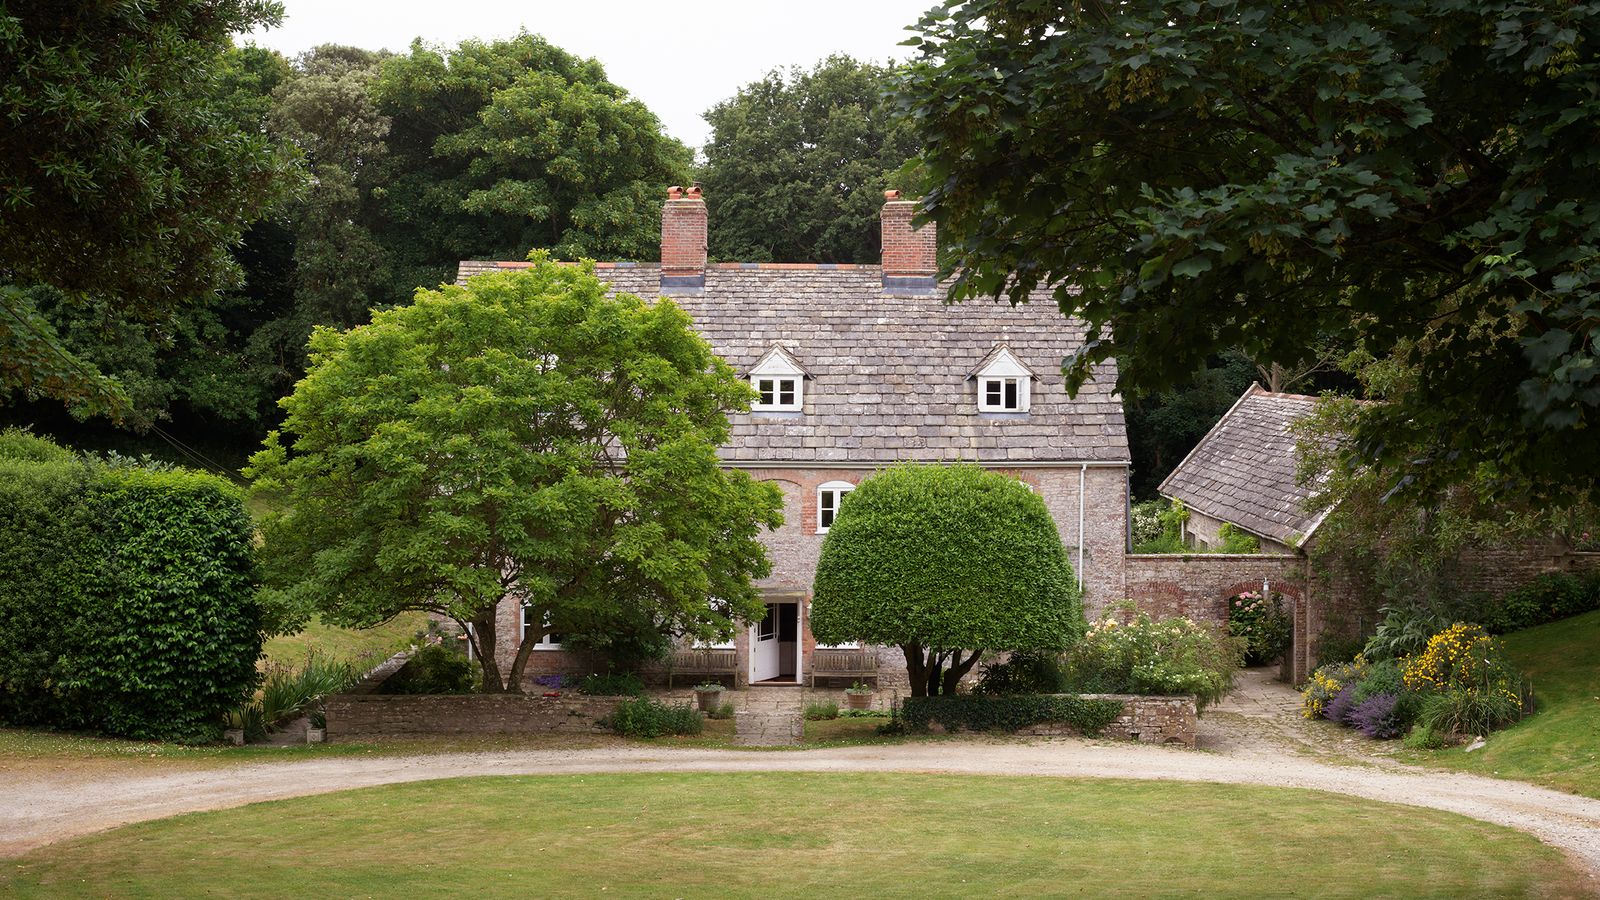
[
  {"x": 1243, "y": 470},
  {"x": 888, "y": 373}
]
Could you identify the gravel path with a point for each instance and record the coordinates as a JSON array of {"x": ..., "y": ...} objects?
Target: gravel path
[{"x": 41, "y": 809}]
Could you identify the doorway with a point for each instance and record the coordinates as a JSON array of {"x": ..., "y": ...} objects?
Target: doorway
[{"x": 775, "y": 645}]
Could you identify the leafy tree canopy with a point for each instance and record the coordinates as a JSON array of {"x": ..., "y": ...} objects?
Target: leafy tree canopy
[
  {"x": 498, "y": 147},
  {"x": 1196, "y": 176},
  {"x": 122, "y": 177},
  {"x": 522, "y": 435},
  {"x": 797, "y": 164},
  {"x": 946, "y": 562}
]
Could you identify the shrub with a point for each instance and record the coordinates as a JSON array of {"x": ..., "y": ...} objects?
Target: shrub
[
  {"x": 1421, "y": 737},
  {"x": 1022, "y": 673},
  {"x": 1463, "y": 657},
  {"x": 642, "y": 717},
  {"x": 725, "y": 711},
  {"x": 1008, "y": 713},
  {"x": 1235, "y": 540},
  {"x": 434, "y": 670},
  {"x": 1259, "y": 620},
  {"x": 1327, "y": 682},
  {"x": 612, "y": 684},
  {"x": 1342, "y": 704},
  {"x": 1158, "y": 527},
  {"x": 945, "y": 556},
  {"x": 1382, "y": 716},
  {"x": 129, "y": 595},
  {"x": 1547, "y": 598},
  {"x": 820, "y": 711},
  {"x": 1171, "y": 656},
  {"x": 1465, "y": 711},
  {"x": 288, "y": 692}
]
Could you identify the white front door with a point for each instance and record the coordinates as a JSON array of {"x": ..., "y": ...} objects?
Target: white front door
[{"x": 765, "y": 661}]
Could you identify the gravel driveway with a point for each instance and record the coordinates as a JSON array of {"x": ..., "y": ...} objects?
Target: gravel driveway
[{"x": 43, "y": 808}]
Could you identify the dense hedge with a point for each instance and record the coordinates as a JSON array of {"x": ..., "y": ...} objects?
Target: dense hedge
[
  {"x": 1547, "y": 598},
  {"x": 129, "y": 600},
  {"x": 969, "y": 712},
  {"x": 945, "y": 556}
]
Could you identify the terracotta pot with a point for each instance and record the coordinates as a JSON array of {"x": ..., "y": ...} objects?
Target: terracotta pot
[{"x": 858, "y": 701}]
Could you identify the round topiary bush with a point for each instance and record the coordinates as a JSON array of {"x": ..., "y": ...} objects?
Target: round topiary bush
[{"x": 945, "y": 561}]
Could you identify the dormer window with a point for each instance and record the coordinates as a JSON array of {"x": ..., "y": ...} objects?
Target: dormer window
[
  {"x": 1005, "y": 385},
  {"x": 829, "y": 496},
  {"x": 778, "y": 393},
  {"x": 780, "y": 382}
]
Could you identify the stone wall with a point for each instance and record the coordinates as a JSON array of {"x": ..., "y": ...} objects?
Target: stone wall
[
  {"x": 1198, "y": 585},
  {"x": 1149, "y": 720},
  {"x": 356, "y": 717}
]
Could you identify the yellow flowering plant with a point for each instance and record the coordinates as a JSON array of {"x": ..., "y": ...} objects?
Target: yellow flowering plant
[{"x": 1462, "y": 657}]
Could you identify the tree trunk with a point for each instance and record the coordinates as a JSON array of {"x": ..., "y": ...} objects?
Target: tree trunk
[
  {"x": 916, "y": 669},
  {"x": 958, "y": 669},
  {"x": 484, "y": 643}
]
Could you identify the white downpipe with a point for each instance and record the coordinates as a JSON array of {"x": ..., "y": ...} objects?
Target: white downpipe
[{"x": 1083, "y": 472}]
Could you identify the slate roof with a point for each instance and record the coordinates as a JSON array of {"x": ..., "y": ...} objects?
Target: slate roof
[
  {"x": 888, "y": 373},
  {"x": 1243, "y": 470}
]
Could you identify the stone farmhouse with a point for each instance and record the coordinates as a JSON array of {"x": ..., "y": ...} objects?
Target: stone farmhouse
[{"x": 859, "y": 367}]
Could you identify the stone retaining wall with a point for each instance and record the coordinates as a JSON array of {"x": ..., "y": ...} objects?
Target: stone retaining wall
[
  {"x": 354, "y": 717},
  {"x": 1149, "y": 720}
]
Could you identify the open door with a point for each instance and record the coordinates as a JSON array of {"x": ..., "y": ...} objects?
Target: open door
[
  {"x": 765, "y": 659},
  {"x": 775, "y": 645}
]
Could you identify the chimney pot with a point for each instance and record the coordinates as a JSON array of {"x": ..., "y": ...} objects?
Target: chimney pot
[
  {"x": 674, "y": 192},
  {"x": 891, "y": 194}
]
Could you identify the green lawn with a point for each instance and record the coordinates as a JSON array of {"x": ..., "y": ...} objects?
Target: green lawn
[
  {"x": 696, "y": 835},
  {"x": 1559, "y": 745},
  {"x": 367, "y": 646}
]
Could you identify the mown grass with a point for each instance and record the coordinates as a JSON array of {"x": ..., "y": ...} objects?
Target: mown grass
[
  {"x": 666, "y": 835},
  {"x": 1559, "y": 745},
  {"x": 363, "y": 646}
]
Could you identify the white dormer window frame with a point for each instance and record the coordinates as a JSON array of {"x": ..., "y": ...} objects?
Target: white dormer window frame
[
  {"x": 780, "y": 382},
  {"x": 829, "y": 496},
  {"x": 778, "y": 393},
  {"x": 1005, "y": 385}
]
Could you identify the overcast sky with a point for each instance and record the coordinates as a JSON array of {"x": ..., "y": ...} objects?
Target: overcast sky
[{"x": 678, "y": 57}]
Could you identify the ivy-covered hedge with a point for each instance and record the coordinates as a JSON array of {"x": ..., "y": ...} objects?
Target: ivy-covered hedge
[
  {"x": 970, "y": 712},
  {"x": 129, "y": 595}
]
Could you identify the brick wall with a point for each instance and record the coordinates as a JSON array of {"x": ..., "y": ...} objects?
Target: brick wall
[
  {"x": 355, "y": 717},
  {"x": 907, "y": 252},
  {"x": 1198, "y": 585}
]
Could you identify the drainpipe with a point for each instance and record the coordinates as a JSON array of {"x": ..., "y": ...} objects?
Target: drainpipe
[{"x": 1083, "y": 472}]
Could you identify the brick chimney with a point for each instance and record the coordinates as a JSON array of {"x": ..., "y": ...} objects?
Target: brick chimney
[
  {"x": 910, "y": 255},
  {"x": 683, "y": 241}
]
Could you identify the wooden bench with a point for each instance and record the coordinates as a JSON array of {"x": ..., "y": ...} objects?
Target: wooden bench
[
  {"x": 720, "y": 664},
  {"x": 847, "y": 666}
]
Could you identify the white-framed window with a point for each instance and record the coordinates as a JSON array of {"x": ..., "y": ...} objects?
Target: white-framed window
[
  {"x": 829, "y": 496},
  {"x": 1002, "y": 394},
  {"x": 550, "y": 641},
  {"x": 779, "y": 380},
  {"x": 1004, "y": 383},
  {"x": 778, "y": 393}
]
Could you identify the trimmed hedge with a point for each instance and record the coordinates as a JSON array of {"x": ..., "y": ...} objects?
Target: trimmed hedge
[
  {"x": 129, "y": 595},
  {"x": 1547, "y": 598},
  {"x": 969, "y": 712}
]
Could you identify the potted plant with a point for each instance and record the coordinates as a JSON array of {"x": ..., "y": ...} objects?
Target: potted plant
[
  {"x": 708, "y": 695},
  {"x": 858, "y": 695},
  {"x": 316, "y": 725}
]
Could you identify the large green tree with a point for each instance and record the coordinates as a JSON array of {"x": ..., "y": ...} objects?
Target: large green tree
[
  {"x": 525, "y": 435},
  {"x": 124, "y": 181},
  {"x": 1407, "y": 176},
  {"x": 497, "y": 147},
  {"x": 797, "y": 164},
  {"x": 945, "y": 562}
]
